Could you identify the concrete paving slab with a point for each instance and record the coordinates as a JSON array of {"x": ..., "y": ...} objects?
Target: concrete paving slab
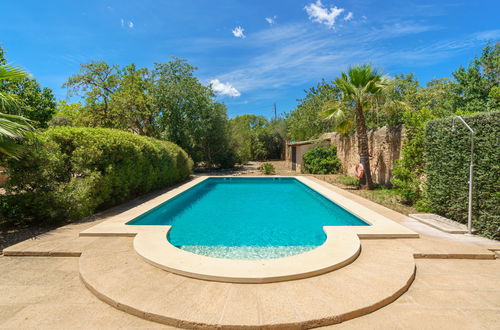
[{"x": 47, "y": 293}]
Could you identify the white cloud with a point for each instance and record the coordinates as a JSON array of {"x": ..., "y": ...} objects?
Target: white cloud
[
  {"x": 349, "y": 16},
  {"x": 238, "y": 32},
  {"x": 488, "y": 35},
  {"x": 224, "y": 88},
  {"x": 319, "y": 13},
  {"x": 128, "y": 24},
  {"x": 311, "y": 54},
  {"x": 271, "y": 20}
]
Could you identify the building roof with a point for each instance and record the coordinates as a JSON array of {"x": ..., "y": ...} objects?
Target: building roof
[{"x": 299, "y": 143}]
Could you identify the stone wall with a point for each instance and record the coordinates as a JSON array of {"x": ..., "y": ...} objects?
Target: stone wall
[{"x": 384, "y": 145}]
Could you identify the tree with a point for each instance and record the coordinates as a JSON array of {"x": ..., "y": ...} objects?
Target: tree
[
  {"x": 12, "y": 127},
  {"x": 305, "y": 121},
  {"x": 215, "y": 146},
  {"x": 476, "y": 86},
  {"x": 38, "y": 104},
  {"x": 359, "y": 87},
  {"x": 180, "y": 99},
  {"x": 245, "y": 131},
  {"x": 438, "y": 96},
  {"x": 273, "y": 137},
  {"x": 133, "y": 100},
  {"x": 167, "y": 102},
  {"x": 68, "y": 114},
  {"x": 186, "y": 112},
  {"x": 98, "y": 81},
  {"x": 396, "y": 97}
]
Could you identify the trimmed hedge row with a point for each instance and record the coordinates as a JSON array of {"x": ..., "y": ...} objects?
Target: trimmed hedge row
[
  {"x": 68, "y": 173},
  {"x": 448, "y": 160}
]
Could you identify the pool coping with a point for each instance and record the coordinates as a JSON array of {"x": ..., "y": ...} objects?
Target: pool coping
[{"x": 341, "y": 247}]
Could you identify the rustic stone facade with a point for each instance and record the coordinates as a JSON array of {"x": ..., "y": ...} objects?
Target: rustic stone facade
[{"x": 384, "y": 145}]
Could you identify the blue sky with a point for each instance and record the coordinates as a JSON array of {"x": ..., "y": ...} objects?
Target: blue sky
[{"x": 255, "y": 53}]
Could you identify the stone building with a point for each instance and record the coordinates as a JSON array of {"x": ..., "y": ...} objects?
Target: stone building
[
  {"x": 384, "y": 145},
  {"x": 295, "y": 150}
]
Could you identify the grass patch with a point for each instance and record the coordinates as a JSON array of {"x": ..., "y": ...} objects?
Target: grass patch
[
  {"x": 346, "y": 180},
  {"x": 381, "y": 195}
]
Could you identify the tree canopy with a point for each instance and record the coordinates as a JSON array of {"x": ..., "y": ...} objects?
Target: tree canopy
[
  {"x": 166, "y": 102},
  {"x": 36, "y": 103}
]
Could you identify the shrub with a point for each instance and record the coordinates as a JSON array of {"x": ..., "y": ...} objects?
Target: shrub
[
  {"x": 448, "y": 158},
  {"x": 409, "y": 172},
  {"x": 68, "y": 173},
  {"x": 321, "y": 160},
  {"x": 407, "y": 184},
  {"x": 267, "y": 168},
  {"x": 347, "y": 180}
]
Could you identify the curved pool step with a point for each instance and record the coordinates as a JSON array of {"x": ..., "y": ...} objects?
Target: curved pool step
[
  {"x": 342, "y": 246},
  {"x": 113, "y": 271}
]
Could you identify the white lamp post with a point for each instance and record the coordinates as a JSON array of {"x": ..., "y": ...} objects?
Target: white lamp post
[{"x": 469, "y": 220}]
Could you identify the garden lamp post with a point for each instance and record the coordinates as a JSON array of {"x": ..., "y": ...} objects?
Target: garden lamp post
[{"x": 453, "y": 128}]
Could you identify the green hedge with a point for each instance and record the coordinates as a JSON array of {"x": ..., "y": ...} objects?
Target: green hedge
[
  {"x": 448, "y": 159},
  {"x": 321, "y": 160},
  {"x": 68, "y": 173}
]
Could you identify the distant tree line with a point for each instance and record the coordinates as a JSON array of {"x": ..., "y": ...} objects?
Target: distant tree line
[
  {"x": 168, "y": 102},
  {"x": 471, "y": 89},
  {"x": 400, "y": 100}
]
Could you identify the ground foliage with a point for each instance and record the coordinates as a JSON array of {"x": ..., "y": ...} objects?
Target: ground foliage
[{"x": 267, "y": 169}]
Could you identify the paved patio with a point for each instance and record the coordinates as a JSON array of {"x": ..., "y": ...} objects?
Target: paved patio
[{"x": 453, "y": 288}]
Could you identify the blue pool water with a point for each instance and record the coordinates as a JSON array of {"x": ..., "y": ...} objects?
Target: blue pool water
[{"x": 269, "y": 213}]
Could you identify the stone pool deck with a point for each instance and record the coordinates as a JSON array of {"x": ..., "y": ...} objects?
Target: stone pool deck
[{"x": 438, "y": 281}]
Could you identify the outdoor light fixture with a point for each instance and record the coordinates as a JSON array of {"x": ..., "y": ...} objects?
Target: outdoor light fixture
[{"x": 453, "y": 129}]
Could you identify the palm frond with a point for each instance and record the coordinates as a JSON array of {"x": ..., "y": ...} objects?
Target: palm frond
[
  {"x": 392, "y": 107},
  {"x": 10, "y": 147},
  {"x": 9, "y": 102},
  {"x": 14, "y": 127},
  {"x": 341, "y": 118},
  {"x": 331, "y": 109},
  {"x": 12, "y": 72}
]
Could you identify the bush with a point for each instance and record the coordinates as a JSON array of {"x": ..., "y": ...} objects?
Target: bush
[
  {"x": 347, "y": 180},
  {"x": 321, "y": 160},
  {"x": 406, "y": 184},
  {"x": 68, "y": 173},
  {"x": 267, "y": 168},
  {"x": 448, "y": 159},
  {"x": 409, "y": 171}
]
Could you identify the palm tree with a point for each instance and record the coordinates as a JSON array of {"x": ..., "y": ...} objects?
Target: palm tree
[
  {"x": 12, "y": 127},
  {"x": 361, "y": 86}
]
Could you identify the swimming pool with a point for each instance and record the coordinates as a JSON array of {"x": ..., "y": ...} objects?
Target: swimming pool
[{"x": 248, "y": 218}]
